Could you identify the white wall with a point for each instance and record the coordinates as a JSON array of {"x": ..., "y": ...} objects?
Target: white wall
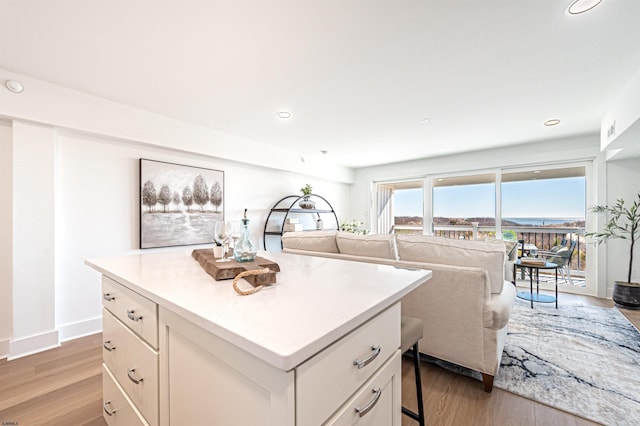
[
  {"x": 624, "y": 118},
  {"x": 33, "y": 238},
  {"x": 6, "y": 215},
  {"x": 623, "y": 181}
]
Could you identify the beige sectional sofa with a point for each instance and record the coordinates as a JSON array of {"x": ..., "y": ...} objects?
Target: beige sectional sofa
[{"x": 466, "y": 305}]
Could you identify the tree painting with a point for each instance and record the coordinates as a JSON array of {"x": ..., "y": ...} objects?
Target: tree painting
[
  {"x": 187, "y": 197},
  {"x": 200, "y": 192},
  {"x": 182, "y": 186},
  {"x": 164, "y": 197},
  {"x": 149, "y": 197},
  {"x": 216, "y": 195},
  {"x": 176, "y": 199}
]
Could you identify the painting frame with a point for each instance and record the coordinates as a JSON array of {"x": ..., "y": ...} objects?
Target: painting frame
[{"x": 178, "y": 203}]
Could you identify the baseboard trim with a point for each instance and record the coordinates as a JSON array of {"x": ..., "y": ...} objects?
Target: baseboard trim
[
  {"x": 80, "y": 329},
  {"x": 33, "y": 344},
  {"x": 4, "y": 348}
]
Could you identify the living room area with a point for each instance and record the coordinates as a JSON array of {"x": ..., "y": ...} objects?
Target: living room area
[{"x": 428, "y": 95}]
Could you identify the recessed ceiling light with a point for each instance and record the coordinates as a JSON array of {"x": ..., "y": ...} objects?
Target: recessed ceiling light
[
  {"x": 552, "y": 122},
  {"x": 14, "y": 86},
  {"x": 581, "y": 6},
  {"x": 284, "y": 115},
  {"x": 426, "y": 120}
]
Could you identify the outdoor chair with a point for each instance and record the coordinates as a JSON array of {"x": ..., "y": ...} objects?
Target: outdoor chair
[{"x": 561, "y": 256}]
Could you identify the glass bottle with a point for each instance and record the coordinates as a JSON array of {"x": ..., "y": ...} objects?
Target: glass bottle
[{"x": 245, "y": 250}]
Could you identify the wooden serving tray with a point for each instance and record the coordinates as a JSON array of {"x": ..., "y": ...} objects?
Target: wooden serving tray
[{"x": 229, "y": 270}]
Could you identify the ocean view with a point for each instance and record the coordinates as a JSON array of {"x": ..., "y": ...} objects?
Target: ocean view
[
  {"x": 542, "y": 221},
  {"x": 570, "y": 222}
]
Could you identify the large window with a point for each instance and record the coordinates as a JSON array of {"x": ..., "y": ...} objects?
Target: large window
[{"x": 462, "y": 202}]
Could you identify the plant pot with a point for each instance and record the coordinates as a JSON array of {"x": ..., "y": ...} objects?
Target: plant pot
[
  {"x": 306, "y": 203},
  {"x": 626, "y": 295}
]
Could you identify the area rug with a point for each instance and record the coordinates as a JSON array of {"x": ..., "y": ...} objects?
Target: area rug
[{"x": 580, "y": 359}]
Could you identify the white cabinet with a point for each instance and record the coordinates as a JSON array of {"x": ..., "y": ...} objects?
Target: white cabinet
[
  {"x": 129, "y": 327},
  {"x": 211, "y": 382}
]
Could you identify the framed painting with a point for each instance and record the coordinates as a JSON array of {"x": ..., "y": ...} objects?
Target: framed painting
[{"x": 178, "y": 204}]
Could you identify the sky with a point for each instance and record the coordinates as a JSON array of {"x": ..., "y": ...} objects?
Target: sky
[{"x": 551, "y": 198}]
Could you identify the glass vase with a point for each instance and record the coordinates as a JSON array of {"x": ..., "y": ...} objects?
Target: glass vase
[{"x": 245, "y": 249}]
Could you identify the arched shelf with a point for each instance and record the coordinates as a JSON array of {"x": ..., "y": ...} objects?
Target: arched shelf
[{"x": 288, "y": 207}]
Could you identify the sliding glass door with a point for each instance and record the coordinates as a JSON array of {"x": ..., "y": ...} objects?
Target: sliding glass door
[{"x": 546, "y": 209}]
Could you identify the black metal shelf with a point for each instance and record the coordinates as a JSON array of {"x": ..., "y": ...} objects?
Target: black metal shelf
[{"x": 290, "y": 201}]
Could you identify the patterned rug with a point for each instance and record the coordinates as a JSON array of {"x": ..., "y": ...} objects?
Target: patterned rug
[{"x": 581, "y": 359}]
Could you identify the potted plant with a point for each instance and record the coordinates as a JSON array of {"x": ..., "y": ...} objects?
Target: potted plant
[
  {"x": 353, "y": 227},
  {"x": 306, "y": 202},
  {"x": 624, "y": 224}
]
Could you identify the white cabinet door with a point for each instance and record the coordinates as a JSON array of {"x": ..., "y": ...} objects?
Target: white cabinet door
[
  {"x": 134, "y": 365},
  {"x": 378, "y": 402},
  {"x": 137, "y": 312},
  {"x": 118, "y": 409},
  {"x": 205, "y": 380},
  {"x": 324, "y": 382}
]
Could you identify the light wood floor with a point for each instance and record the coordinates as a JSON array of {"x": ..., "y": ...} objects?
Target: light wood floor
[{"x": 63, "y": 386}]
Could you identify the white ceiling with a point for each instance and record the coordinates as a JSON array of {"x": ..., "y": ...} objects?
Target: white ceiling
[{"x": 357, "y": 75}]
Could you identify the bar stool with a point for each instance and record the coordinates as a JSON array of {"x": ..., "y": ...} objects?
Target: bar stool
[{"x": 411, "y": 332}]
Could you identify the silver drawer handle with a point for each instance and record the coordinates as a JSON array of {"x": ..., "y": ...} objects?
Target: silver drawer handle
[
  {"x": 133, "y": 378},
  {"x": 108, "y": 346},
  {"x": 106, "y": 409},
  {"x": 369, "y": 406},
  {"x": 132, "y": 316},
  {"x": 108, "y": 297},
  {"x": 361, "y": 364}
]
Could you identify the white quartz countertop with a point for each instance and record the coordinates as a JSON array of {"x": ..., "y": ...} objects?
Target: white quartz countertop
[{"x": 315, "y": 301}]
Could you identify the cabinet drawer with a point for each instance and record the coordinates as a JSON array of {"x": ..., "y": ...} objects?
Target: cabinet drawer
[
  {"x": 117, "y": 408},
  {"x": 327, "y": 380},
  {"x": 378, "y": 402},
  {"x": 134, "y": 365},
  {"x": 137, "y": 312}
]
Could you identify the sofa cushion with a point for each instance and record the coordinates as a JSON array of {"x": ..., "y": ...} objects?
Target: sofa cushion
[
  {"x": 431, "y": 249},
  {"x": 324, "y": 241},
  {"x": 375, "y": 245},
  {"x": 510, "y": 247}
]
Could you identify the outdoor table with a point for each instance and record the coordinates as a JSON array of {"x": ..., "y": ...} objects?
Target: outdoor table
[{"x": 537, "y": 297}]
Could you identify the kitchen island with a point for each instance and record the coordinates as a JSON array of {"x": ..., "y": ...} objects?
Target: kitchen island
[{"x": 320, "y": 346}]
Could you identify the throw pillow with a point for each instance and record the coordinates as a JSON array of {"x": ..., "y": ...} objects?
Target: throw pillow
[
  {"x": 431, "y": 249},
  {"x": 322, "y": 241},
  {"x": 370, "y": 245}
]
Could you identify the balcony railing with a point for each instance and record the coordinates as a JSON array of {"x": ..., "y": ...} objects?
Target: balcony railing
[{"x": 542, "y": 237}]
